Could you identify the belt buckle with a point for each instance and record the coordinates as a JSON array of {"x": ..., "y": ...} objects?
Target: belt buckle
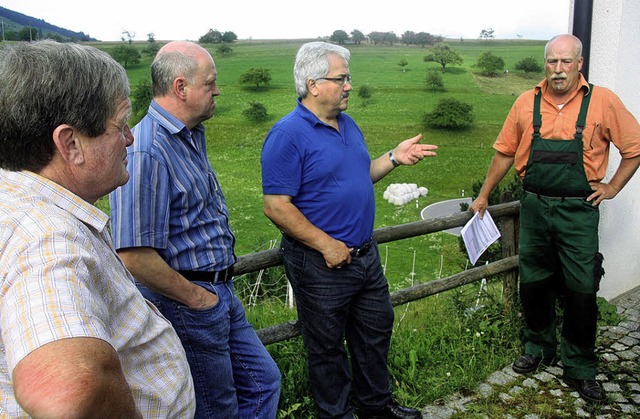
[
  {"x": 224, "y": 275},
  {"x": 362, "y": 250}
]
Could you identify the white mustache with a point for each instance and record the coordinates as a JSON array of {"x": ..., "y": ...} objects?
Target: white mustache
[{"x": 559, "y": 76}]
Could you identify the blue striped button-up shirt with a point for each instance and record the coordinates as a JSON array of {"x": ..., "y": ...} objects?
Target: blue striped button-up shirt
[{"x": 173, "y": 201}]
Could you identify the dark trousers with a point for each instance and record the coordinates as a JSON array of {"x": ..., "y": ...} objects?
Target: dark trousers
[
  {"x": 559, "y": 257},
  {"x": 351, "y": 303}
]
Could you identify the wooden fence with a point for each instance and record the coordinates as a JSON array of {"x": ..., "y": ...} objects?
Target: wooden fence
[{"x": 506, "y": 216}]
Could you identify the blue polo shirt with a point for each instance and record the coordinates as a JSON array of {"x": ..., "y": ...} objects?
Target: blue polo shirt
[{"x": 326, "y": 172}]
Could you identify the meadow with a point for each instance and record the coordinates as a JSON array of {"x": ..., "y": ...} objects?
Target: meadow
[
  {"x": 393, "y": 113},
  {"x": 440, "y": 345}
]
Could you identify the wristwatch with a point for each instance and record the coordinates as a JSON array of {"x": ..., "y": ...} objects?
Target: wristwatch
[{"x": 393, "y": 159}]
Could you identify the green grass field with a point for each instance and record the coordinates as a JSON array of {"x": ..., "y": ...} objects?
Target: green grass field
[
  {"x": 437, "y": 348},
  {"x": 393, "y": 113}
]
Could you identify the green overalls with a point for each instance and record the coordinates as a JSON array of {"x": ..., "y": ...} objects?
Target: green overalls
[{"x": 558, "y": 250}]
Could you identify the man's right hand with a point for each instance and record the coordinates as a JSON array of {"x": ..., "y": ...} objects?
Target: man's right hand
[
  {"x": 203, "y": 298},
  {"x": 479, "y": 205},
  {"x": 336, "y": 254}
]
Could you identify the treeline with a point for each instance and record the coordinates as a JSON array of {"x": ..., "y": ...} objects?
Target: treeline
[
  {"x": 385, "y": 38},
  {"x": 19, "y": 27}
]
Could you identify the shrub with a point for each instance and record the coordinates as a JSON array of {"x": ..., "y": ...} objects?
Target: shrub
[
  {"x": 256, "y": 112},
  {"x": 141, "y": 97},
  {"x": 529, "y": 65},
  {"x": 450, "y": 113},
  {"x": 364, "y": 92},
  {"x": 491, "y": 64},
  {"x": 434, "y": 80}
]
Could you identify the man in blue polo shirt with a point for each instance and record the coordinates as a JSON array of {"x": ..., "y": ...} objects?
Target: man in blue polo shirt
[{"x": 318, "y": 190}]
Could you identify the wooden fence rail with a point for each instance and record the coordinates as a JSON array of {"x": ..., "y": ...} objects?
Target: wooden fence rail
[{"x": 505, "y": 215}]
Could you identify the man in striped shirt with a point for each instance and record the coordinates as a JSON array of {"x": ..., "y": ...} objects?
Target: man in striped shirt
[
  {"x": 170, "y": 227},
  {"x": 77, "y": 339}
]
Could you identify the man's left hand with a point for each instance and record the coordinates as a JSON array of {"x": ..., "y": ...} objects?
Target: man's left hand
[
  {"x": 410, "y": 152},
  {"x": 601, "y": 192}
]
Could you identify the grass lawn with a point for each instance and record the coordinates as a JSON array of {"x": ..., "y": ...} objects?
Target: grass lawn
[{"x": 438, "y": 345}]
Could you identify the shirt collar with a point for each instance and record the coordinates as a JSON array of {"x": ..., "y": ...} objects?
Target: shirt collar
[
  {"x": 33, "y": 184},
  {"x": 309, "y": 116},
  {"x": 170, "y": 122}
]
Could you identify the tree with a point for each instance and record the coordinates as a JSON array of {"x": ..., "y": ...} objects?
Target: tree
[
  {"x": 339, "y": 37},
  {"x": 434, "y": 80},
  {"x": 486, "y": 34},
  {"x": 425, "y": 38},
  {"x": 444, "y": 54},
  {"x": 141, "y": 96},
  {"x": 127, "y": 37},
  {"x": 211, "y": 37},
  {"x": 28, "y": 33},
  {"x": 126, "y": 55},
  {"x": 357, "y": 37},
  {"x": 529, "y": 65},
  {"x": 152, "y": 47},
  {"x": 390, "y": 38},
  {"x": 408, "y": 38},
  {"x": 490, "y": 63},
  {"x": 376, "y": 37},
  {"x": 256, "y": 76},
  {"x": 403, "y": 63},
  {"x": 229, "y": 37},
  {"x": 450, "y": 113}
]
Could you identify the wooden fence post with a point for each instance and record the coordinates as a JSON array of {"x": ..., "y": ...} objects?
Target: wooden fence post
[{"x": 509, "y": 248}]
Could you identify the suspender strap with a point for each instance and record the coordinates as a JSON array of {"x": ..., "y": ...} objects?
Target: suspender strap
[
  {"x": 537, "y": 117},
  {"x": 582, "y": 116}
]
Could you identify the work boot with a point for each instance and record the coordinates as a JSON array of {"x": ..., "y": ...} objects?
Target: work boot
[
  {"x": 590, "y": 390},
  {"x": 392, "y": 411},
  {"x": 528, "y": 363}
]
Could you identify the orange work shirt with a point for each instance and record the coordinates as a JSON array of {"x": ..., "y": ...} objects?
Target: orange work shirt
[{"x": 608, "y": 121}]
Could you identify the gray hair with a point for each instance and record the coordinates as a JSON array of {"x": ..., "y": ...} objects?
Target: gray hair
[
  {"x": 169, "y": 65},
  {"x": 578, "y": 44},
  {"x": 312, "y": 63},
  {"x": 45, "y": 84}
]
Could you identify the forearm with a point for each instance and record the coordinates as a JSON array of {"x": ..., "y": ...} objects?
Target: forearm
[
  {"x": 380, "y": 167},
  {"x": 499, "y": 167},
  {"x": 152, "y": 271},
  {"x": 625, "y": 172},
  {"x": 294, "y": 224},
  {"x": 74, "y": 378}
]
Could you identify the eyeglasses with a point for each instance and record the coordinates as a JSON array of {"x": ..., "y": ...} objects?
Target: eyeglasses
[{"x": 342, "y": 80}]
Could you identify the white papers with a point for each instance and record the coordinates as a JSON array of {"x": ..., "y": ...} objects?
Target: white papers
[{"x": 478, "y": 234}]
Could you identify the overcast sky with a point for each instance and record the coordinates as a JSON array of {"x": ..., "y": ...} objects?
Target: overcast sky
[{"x": 292, "y": 19}]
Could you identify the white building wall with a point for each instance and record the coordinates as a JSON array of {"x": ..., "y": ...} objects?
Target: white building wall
[{"x": 615, "y": 63}]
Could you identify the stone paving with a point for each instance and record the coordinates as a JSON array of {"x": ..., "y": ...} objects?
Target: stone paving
[{"x": 618, "y": 348}]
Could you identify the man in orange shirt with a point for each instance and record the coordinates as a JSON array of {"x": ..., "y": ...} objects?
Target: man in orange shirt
[{"x": 557, "y": 137}]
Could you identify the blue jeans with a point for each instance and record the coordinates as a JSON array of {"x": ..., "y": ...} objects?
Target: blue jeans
[
  {"x": 351, "y": 303},
  {"x": 233, "y": 374}
]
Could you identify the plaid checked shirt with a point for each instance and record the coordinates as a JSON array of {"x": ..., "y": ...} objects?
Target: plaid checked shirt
[{"x": 60, "y": 278}]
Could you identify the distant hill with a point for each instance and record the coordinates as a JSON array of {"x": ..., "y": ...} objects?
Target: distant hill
[{"x": 13, "y": 23}]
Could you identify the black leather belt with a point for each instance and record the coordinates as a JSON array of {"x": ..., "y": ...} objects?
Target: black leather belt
[
  {"x": 362, "y": 250},
  {"x": 213, "y": 277},
  {"x": 356, "y": 252}
]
